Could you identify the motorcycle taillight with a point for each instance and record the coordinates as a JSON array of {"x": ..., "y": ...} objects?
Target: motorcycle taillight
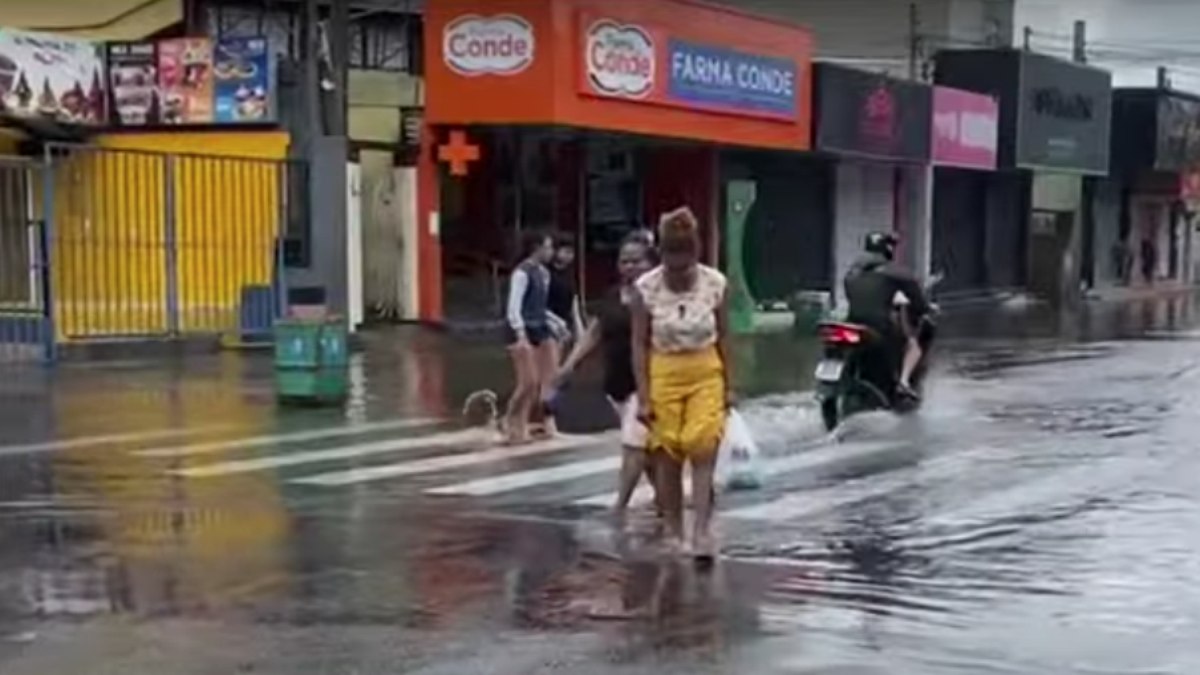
[{"x": 841, "y": 335}]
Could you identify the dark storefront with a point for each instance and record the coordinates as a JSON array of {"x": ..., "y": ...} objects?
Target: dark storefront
[
  {"x": 1156, "y": 151},
  {"x": 965, "y": 128},
  {"x": 1055, "y": 118},
  {"x": 876, "y": 129}
]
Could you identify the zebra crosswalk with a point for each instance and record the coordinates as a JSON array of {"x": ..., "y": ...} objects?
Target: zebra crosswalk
[{"x": 435, "y": 459}]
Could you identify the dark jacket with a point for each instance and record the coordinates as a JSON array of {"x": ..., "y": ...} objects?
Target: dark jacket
[{"x": 871, "y": 286}]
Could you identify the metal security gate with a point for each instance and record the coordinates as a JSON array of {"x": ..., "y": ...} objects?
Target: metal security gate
[
  {"x": 139, "y": 245},
  {"x": 24, "y": 315}
]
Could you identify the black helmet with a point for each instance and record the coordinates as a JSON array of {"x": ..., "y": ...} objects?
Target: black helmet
[{"x": 881, "y": 243}]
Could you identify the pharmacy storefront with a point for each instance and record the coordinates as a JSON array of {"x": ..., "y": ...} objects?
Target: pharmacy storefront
[{"x": 589, "y": 119}]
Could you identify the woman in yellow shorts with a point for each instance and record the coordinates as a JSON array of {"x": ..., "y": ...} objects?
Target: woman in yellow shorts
[{"x": 680, "y": 356}]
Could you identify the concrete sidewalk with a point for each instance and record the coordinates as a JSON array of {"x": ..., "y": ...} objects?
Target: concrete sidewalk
[{"x": 1163, "y": 289}]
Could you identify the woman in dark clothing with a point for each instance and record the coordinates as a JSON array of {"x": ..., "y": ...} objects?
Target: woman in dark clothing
[
  {"x": 610, "y": 333},
  {"x": 1149, "y": 260},
  {"x": 563, "y": 300},
  {"x": 566, "y": 319},
  {"x": 529, "y": 333}
]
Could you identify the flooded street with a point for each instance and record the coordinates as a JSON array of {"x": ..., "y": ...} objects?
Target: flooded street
[{"x": 1037, "y": 516}]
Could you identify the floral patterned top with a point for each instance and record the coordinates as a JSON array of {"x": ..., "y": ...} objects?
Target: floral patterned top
[{"x": 683, "y": 322}]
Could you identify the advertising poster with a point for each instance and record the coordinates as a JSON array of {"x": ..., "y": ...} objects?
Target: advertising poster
[
  {"x": 965, "y": 129},
  {"x": 185, "y": 76},
  {"x": 50, "y": 76},
  {"x": 133, "y": 82},
  {"x": 244, "y": 82}
]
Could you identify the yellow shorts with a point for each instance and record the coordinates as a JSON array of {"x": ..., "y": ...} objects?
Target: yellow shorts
[{"x": 687, "y": 397}]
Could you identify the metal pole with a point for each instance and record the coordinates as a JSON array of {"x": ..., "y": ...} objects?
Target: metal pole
[
  {"x": 338, "y": 35},
  {"x": 914, "y": 42},
  {"x": 171, "y": 244},
  {"x": 46, "y": 259},
  {"x": 1079, "y": 47},
  {"x": 312, "y": 69}
]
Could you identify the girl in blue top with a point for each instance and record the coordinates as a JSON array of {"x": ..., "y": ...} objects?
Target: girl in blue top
[{"x": 529, "y": 332}]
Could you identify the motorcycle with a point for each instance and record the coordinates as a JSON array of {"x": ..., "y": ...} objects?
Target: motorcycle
[{"x": 857, "y": 374}]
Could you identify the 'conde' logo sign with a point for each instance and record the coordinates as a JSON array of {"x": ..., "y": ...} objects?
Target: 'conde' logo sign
[
  {"x": 497, "y": 45},
  {"x": 620, "y": 59}
]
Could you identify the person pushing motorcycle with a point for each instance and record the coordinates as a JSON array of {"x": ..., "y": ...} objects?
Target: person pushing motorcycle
[{"x": 889, "y": 300}]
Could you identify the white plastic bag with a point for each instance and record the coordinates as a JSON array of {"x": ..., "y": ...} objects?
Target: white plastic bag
[{"x": 739, "y": 465}]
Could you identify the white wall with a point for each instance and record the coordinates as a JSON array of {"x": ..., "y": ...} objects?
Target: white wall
[
  {"x": 388, "y": 201},
  {"x": 864, "y": 203}
]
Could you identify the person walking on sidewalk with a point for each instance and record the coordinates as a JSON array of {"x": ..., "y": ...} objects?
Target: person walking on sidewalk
[
  {"x": 681, "y": 365},
  {"x": 1149, "y": 260},
  {"x": 566, "y": 319},
  {"x": 611, "y": 333},
  {"x": 528, "y": 333}
]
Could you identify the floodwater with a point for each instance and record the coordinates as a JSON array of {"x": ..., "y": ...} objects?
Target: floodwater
[{"x": 1038, "y": 516}]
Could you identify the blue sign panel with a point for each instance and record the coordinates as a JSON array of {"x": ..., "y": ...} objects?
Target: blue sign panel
[{"x": 716, "y": 77}]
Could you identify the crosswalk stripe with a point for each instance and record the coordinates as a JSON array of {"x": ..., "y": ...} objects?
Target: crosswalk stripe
[
  {"x": 294, "y": 437},
  {"x": 644, "y": 494},
  {"x": 109, "y": 439},
  {"x": 485, "y": 487},
  {"x": 443, "y": 463},
  {"x": 449, "y": 439}
]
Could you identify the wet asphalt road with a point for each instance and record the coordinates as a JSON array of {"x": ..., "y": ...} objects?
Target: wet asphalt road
[{"x": 1037, "y": 517}]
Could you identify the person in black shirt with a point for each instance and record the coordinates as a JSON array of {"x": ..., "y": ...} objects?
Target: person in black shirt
[
  {"x": 563, "y": 300},
  {"x": 875, "y": 289},
  {"x": 610, "y": 332},
  {"x": 566, "y": 319}
]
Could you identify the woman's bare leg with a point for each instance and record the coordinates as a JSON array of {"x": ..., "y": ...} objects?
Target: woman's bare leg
[
  {"x": 548, "y": 356},
  {"x": 669, "y": 473},
  {"x": 633, "y": 464},
  {"x": 912, "y": 359},
  {"x": 516, "y": 417},
  {"x": 703, "y": 496}
]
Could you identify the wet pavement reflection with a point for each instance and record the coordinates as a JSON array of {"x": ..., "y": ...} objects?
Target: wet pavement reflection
[{"x": 1038, "y": 516}]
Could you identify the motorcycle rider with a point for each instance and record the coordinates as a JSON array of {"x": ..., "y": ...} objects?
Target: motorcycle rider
[{"x": 889, "y": 300}]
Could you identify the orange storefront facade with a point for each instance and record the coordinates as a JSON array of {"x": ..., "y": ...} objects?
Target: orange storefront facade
[{"x": 587, "y": 117}]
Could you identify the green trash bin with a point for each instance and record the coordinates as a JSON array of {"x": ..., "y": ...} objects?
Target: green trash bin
[
  {"x": 311, "y": 360},
  {"x": 809, "y": 308}
]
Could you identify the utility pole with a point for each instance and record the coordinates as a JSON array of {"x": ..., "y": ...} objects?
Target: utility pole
[
  {"x": 1164, "y": 78},
  {"x": 1079, "y": 42},
  {"x": 312, "y": 70},
  {"x": 914, "y": 42},
  {"x": 338, "y": 35}
]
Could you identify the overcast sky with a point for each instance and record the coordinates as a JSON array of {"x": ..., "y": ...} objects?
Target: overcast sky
[{"x": 1129, "y": 37}]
